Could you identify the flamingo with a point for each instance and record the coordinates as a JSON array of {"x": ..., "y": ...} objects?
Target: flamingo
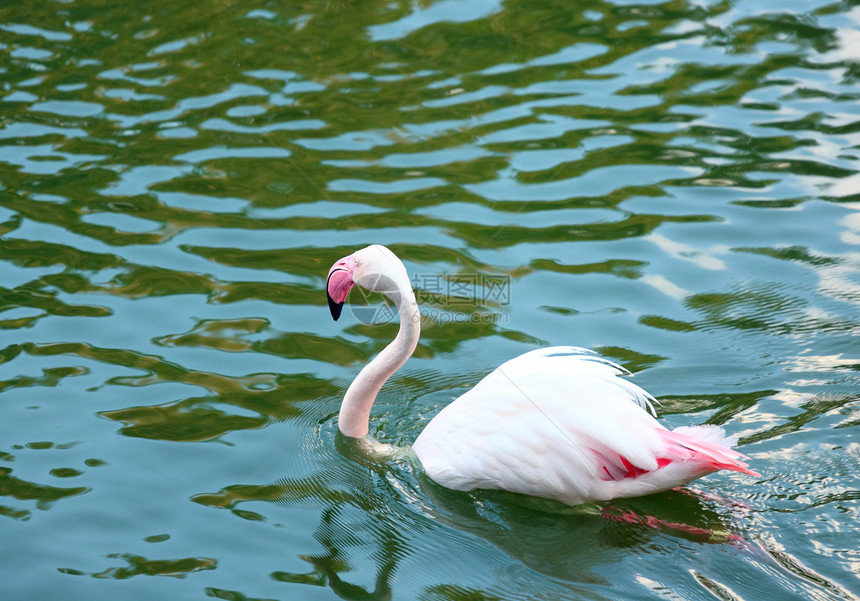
[{"x": 557, "y": 422}]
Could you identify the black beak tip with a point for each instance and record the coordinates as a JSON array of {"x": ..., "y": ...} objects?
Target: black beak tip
[{"x": 334, "y": 307}]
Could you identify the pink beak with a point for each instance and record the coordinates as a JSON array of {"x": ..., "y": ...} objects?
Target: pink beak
[{"x": 339, "y": 283}]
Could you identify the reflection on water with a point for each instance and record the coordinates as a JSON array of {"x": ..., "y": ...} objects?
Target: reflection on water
[{"x": 674, "y": 184}]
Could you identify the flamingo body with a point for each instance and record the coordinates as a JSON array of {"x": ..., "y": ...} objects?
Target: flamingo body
[{"x": 557, "y": 423}]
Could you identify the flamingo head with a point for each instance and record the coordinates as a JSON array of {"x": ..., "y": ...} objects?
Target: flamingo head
[{"x": 374, "y": 268}]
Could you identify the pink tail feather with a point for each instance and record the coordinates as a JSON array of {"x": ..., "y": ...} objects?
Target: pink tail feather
[{"x": 706, "y": 445}]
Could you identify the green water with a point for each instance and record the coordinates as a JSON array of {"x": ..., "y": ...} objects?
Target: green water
[{"x": 674, "y": 184}]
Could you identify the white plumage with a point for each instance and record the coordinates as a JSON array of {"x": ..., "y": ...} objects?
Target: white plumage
[{"x": 557, "y": 423}]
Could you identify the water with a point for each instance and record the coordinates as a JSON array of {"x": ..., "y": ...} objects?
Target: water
[{"x": 674, "y": 184}]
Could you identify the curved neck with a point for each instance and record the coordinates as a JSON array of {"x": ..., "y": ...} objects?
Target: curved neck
[{"x": 359, "y": 397}]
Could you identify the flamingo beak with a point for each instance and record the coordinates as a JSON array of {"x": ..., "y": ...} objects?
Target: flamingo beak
[{"x": 338, "y": 284}]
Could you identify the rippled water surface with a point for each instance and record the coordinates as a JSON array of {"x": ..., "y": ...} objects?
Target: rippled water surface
[{"x": 673, "y": 184}]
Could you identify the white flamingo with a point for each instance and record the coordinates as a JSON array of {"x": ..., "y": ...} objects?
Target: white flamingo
[{"x": 556, "y": 422}]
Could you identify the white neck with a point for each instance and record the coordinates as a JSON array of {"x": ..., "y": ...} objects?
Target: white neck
[{"x": 359, "y": 397}]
